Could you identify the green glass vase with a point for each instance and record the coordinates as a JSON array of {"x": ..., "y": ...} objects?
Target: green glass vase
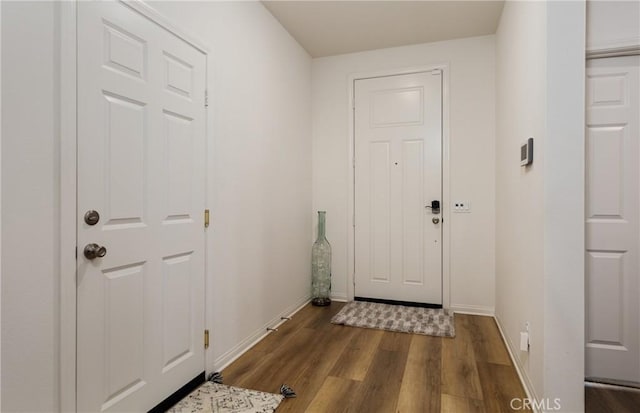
[{"x": 321, "y": 266}]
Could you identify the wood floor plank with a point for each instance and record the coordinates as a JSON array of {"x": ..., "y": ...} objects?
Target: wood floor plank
[
  {"x": 394, "y": 341},
  {"x": 381, "y": 387},
  {"x": 244, "y": 367},
  {"x": 455, "y": 404},
  {"x": 277, "y": 367},
  {"x": 336, "y": 368},
  {"x": 420, "y": 389},
  {"x": 322, "y": 315},
  {"x": 319, "y": 361},
  {"x": 500, "y": 385},
  {"x": 276, "y": 339},
  {"x": 334, "y": 396},
  {"x": 459, "y": 372},
  {"x": 356, "y": 359},
  {"x": 280, "y": 350},
  {"x": 487, "y": 341},
  {"x": 600, "y": 399},
  {"x": 242, "y": 370},
  {"x": 464, "y": 340}
]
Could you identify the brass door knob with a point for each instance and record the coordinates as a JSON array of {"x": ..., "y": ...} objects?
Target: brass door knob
[{"x": 435, "y": 220}]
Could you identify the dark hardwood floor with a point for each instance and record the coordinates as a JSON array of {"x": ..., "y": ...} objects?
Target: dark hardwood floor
[
  {"x": 345, "y": 369},
  {"x": 610, "y": 399}
]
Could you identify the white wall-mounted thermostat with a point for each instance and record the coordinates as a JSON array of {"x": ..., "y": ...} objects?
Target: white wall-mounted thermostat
[{"x": 526, "y": 153}]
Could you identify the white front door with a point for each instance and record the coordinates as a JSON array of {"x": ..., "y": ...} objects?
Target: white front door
[
  {"x": 141, "y": 166},
  {"x": 613, "y": 225},
  {"x": 398, "y": 173}
]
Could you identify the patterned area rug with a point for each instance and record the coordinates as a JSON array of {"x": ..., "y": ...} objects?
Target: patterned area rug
[
  {"x": 219, "y": 398},
  {"x": 419, "y": 320}
]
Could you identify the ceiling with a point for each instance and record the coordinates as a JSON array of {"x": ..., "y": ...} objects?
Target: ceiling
[{"x": 326, "y": 28}]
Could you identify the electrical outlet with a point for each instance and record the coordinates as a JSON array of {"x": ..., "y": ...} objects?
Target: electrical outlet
[
  {"x": 524, "y": 341},
  {"x": 525, "y": 338},
  {"x": 462, "y": 206}
]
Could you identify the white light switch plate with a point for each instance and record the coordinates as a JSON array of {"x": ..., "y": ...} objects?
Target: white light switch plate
[{"x": 462, "y": 206}]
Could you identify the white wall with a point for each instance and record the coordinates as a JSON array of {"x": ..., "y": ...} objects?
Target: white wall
[
  {"x": 564, "y": 183},
  {"x": 540, "y": 233},
  {"x": 471, "y": 156},
  {"x": 612, "y": 24},
  {"x": 259, "y": 193},
  {"x": 30, "y": 231},
  {"x": 259, "y": 249},
  {"x": 520, "y": 114}
]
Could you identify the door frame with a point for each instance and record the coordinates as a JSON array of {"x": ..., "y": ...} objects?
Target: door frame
[
  {"x": 446, "y": 219},
  {"x": 68, "y": 139}
]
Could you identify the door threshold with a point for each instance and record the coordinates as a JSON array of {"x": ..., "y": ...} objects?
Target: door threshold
[
  {"x": 598, "y": 381},
  {"x": 396, "y": 302},
  {"x": 179, "y": 394}
]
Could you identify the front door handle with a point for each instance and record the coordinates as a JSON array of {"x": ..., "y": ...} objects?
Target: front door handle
[
  {"x": 93, "y": 251},
  {"x": 435, "y": 220},
  {"x": 435, "y": 206}
]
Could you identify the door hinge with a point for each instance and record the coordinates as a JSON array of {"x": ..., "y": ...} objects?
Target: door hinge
[
  {"x": 206, "y": 218},
  {"x": 206, "y": 98},
  {"x": 206, "y": 339}
]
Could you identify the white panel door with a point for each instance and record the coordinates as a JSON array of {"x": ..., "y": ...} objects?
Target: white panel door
[
  {"x": 398, "y": 172},
  {"x": 613, "y": 226},
  {"x": 141, "y": 166}
]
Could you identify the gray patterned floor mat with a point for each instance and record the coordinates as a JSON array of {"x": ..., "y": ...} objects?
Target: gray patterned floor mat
[{"x": 419, "y": 320}]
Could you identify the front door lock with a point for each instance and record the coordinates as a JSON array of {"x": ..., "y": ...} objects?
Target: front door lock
[
  {"x": 435, "y": 206},
  {"x": 91, "y": 217},
  {"x": 435, "y": 220},
  {"x": 93, "y": 251}
]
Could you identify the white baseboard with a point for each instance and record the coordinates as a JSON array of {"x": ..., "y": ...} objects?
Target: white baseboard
[
  {"x": 472, "y": 309},
  {"x": 245, "y": 345},
  {"x": 341, "y": 297},
  {"x": 522, "y": 373}
]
